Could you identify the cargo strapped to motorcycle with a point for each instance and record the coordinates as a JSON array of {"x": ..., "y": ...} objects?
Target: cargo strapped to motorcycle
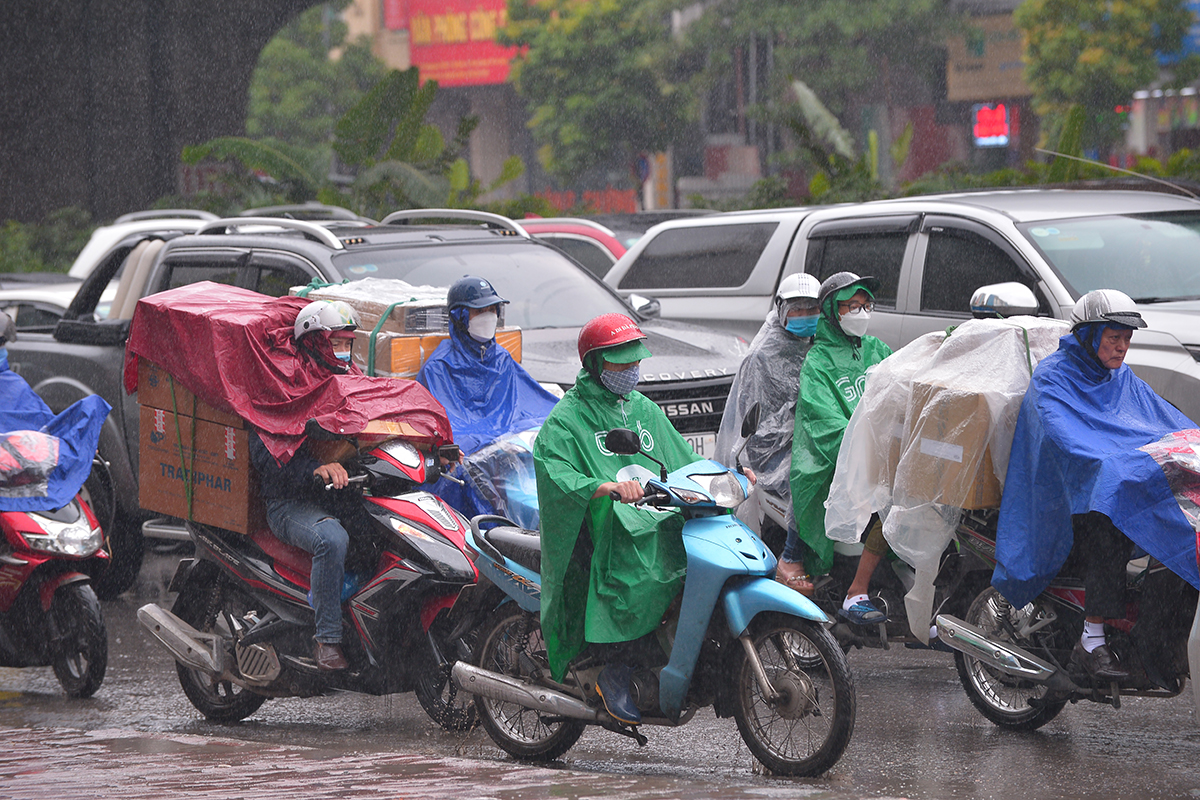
[
  {"x": 373, "y": 337},
  {"x": 186, "y": 468}
]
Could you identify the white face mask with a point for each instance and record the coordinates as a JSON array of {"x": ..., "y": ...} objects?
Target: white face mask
[
  {"x": 856, "y": 324},
  {"x": 482, "y": 326}
]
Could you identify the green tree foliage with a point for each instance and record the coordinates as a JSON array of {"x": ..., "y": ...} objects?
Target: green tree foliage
[
  {"x": 298, "y": 91},
  {"x": 596, "y": 93},
  {"x": 1096, "y": 54},
  {"x": 50, "y": 245}
]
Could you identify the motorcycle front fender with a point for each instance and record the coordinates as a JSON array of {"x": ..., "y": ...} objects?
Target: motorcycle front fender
[{"x": 745, "y": 599}]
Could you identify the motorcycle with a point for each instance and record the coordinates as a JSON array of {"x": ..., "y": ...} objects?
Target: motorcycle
[
  {"x": 241, "y": 626},
  {"x": 49, "y": 613},
  {"x": 740, "y": 642},
  {"x": 1014, "y": 663}
]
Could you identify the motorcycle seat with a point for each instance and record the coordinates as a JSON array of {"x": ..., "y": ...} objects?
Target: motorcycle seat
[
  {"x": 291, "y": 562},
  {"x": 522, "y": 546}
]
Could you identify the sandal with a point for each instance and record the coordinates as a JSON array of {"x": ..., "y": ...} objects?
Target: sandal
[{"x": 792, "y": 575}]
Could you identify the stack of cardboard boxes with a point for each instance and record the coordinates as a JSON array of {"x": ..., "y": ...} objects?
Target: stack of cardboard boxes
[{"x": 194, "y": 461}]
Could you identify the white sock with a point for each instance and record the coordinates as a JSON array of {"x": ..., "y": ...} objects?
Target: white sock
[
  {"x": 932, "y": 632},
  {"x": 849, "y": 602},
  {"x": 1093, "y": 635}
]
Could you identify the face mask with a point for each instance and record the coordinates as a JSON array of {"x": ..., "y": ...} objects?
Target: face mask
[
  {"x": 344, "y": 357},
  {"x": 482, "y": 327},
  {"x": 856, "y": 324},
  {"x": 621, "y": 381},
  {"x": 802, "y": 326}
]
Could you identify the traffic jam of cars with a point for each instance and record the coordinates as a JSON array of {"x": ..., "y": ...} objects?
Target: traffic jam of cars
[{"x": 460, "y": 380}]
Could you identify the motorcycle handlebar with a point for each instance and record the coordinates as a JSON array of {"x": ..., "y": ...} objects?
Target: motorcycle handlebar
[{"x": 320, "y": 483}]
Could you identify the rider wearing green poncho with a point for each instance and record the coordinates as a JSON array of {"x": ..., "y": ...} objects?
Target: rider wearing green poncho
[
  {"x": 620, "y": 591},
  {"x": 831, "y": 384}
]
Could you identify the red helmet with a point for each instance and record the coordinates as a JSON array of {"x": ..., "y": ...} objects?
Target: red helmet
[{"x": 607, "y": 330}]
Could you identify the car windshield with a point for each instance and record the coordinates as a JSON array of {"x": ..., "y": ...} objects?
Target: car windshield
[
  {"x": 1153, "y": 258},
  {"x": 544, "y": 289}
]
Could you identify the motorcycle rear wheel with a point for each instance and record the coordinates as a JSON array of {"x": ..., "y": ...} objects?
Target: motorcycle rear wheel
[
  {"x": 220, "y": 701},
  {"x": 80, "y": 656},
  {"x": 807, "y": 730},
  {"x": 511, "y": 643},
  {"x": 998, "y": 696}
]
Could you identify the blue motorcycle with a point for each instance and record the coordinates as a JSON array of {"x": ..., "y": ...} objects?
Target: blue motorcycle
[{"x": 738, "y": 641}]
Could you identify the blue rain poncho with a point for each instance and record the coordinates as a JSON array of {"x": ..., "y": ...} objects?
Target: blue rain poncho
[
  {"x": 1075, "y": 450},
  {"x": 45, "y": 470}
]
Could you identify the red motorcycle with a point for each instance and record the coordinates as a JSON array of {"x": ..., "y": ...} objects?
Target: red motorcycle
[
  {"x": 241, "y": 627},
  {"x": 49, "y": 614}
]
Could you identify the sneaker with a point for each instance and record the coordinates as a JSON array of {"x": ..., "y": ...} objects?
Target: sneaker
[
  {"x": 862, "y": 613},
  {"x": 613, "y": 688}
]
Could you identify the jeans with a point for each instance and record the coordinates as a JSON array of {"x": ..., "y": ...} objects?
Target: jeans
[{"x": 311, "y": 528}]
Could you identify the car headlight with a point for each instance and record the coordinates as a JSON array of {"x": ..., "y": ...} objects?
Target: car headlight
[
  {"x": 78, "y": 539},
  {"x": 724, "y": 487}
]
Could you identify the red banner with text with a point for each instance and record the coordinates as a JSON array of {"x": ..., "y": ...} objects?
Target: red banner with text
[{"x": 454, "y": 41}]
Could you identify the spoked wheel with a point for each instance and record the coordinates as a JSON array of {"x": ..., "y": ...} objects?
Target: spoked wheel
[
  {"x": 444, "y": 702},
  {"x": 1002, "y": 698},
  {"x": 511, "y": 644},
  {"x": 199, "y": 604},
  {"x": 81, "y": 650},
  {"x": 804, "y": 729}
]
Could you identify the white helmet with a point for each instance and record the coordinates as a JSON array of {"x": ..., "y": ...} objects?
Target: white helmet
[
  {"x": 1108, "y": 306},
  {"x": 323, "y": 315},
  {"x": 797, "y": 286}
]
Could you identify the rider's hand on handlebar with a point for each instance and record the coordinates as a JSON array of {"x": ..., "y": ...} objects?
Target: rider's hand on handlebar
[
  {"x": 333, "y": 474},
  {"x": 623, "y": 491},
  {"x": 750, "y": 476}
]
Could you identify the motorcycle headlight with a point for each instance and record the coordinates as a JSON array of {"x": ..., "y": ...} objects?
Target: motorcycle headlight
[
  {"x": 78, "y": 539},
  {"x": 725, "y": 489}
]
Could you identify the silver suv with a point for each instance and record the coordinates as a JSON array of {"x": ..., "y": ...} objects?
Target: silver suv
[{"x": 931, "y": 253}]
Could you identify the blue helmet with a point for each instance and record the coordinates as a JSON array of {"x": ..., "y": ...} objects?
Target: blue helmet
[{"x": 472, "y": 292}]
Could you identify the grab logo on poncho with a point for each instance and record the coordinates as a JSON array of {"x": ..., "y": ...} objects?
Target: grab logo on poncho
[
  {"x": 851, "y": 388},
  {"x": 643, "y": 435}
]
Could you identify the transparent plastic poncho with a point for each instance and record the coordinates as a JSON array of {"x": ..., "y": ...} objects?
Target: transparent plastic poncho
[
  {"x": 503, "y": 474},
  {"x": 931, "y": 436},
  {"x": 26, "y": 460}
]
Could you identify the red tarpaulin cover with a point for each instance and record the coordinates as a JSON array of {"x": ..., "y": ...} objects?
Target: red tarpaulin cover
[{"x": 233, "y": 349}]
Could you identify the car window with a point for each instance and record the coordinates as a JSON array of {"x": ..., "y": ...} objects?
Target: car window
[
  {"x": 33, "y": 315},
  {"x": 716, "y": 256},
  {"x": 187, "y": 274},
  {"x": 587, "y": 252},
  {"x": 957, "y": 262},
  {"x": 879, "y": 254},
  {"x": 277, "y": 280},
  {"x": 544, "y": 288}
]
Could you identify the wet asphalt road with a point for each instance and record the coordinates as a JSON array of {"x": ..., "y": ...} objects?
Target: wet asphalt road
[{"x": 916, "y": 736}]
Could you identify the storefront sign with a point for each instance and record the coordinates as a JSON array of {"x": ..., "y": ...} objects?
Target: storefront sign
[
  {"x": 985, "y": 61},
  {"x": 454, "y": 41}
]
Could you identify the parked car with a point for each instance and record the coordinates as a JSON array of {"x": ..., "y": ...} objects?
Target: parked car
[
  {"x": 931, "y": 253},
  {"x": 106, "y": 237},
  {"x": 551, "y": 298},
  {"x": 598, "y": 241}
]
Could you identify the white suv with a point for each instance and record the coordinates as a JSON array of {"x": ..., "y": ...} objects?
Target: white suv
[{"x": 931, "y": 253}]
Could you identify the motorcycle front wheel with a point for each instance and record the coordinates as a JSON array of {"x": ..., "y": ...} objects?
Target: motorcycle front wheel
[
  {"x": 444, "y": 702},
  {"x": 200, "y": 603},
  {"x": 511, "y": 643},
  {"x": 804, "y": 729},
  {"x": 1002, "y": 698},
  {"x": 80, "y": 655}
]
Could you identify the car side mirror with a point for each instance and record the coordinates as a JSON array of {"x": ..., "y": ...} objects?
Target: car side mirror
[
  {"x": 623, "y": 442},
  {"x": 1003, "y": 300},
  {"x": 647, "y": 307}
]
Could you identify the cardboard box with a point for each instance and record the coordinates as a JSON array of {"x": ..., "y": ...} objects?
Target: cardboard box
[
  {"x": 157, "y": 389},
  {"x": 401, "y": 355},
  {"x": 404, "y": 315},
  {"x": 224, "y": 485},
  {"x": 945, "y": 456}
]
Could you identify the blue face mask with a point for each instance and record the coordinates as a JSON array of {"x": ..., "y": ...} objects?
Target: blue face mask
[
  {"x": 803, "y": 326},
  {"x": 344, "y": 357},
  {"x": 621, "y": 381}
]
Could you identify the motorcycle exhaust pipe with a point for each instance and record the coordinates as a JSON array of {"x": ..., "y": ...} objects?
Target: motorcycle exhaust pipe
[
  {"x": 1006, "y": 657},
  {"x": 495, "y": 686},
  {"x": 181, "y": 640}
]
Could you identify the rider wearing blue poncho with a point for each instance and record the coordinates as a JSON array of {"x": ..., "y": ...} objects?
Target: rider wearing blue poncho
[
  {"x": 77, "y": 430},
  {"x": 1076, "y": 476},
  {"x": 486, "y": 394}
]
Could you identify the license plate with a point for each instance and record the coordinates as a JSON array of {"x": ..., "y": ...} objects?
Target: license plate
[{"x": 705, "y": 444}]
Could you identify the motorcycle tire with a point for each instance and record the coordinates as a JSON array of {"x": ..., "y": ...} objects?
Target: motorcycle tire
[
  {"x": 807, "y": 730},
  {"x": 80, "y": 652},
  {"x": 201, "y": 603},
  {"x": 511, "y": 643},
  {"x": 454, "y": 710},
  {"x": 998, "y": 696}
]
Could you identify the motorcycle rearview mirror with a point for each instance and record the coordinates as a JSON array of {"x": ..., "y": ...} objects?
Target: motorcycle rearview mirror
[
  {"x": 625, "y": 442},
  {"x": 749, "y": 426},
  {"x": 1000, "y": 300}
]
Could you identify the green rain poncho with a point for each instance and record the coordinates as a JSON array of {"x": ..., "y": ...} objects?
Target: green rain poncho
[
  {"x": 831, "y": 383},
  {"x": 638, "y": 561}
]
